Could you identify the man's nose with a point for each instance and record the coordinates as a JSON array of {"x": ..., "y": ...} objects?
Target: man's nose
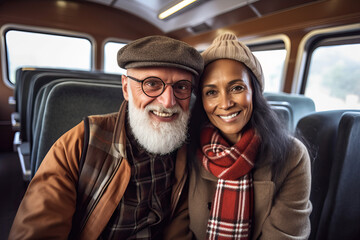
[{"x": 167, "y": 98}]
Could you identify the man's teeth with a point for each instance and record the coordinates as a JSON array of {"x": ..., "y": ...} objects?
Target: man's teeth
[
  {"x": 230, "y": 116},
  {"x": 162, "y": 114}
]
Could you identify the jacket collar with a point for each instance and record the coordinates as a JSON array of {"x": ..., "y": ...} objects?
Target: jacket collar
[{"x": 119, "y": 137}]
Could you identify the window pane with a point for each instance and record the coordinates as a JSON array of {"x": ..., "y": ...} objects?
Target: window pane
[
  {"x": 334, "y": 77},
  {"x": 110, "y": 58},
  {"x": 272, "y": 63},
  {"x": 30, "y": 49}
]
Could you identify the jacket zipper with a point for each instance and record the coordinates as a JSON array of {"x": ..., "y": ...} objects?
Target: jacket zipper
[{"x": 178, "y": 193}]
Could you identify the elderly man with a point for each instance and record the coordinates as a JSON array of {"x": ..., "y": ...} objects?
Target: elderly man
[{"x": 120, "y": 176}]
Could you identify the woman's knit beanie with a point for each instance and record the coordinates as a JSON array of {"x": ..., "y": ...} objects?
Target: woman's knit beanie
[{"x": 228, "y": 46}]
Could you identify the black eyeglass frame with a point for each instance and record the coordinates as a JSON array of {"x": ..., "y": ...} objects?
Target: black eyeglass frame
[{"x": 164, "y": 86}]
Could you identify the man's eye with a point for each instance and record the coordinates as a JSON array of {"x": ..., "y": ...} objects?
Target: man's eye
[
  {"x": 182, "y": 86},
  {"x": 153, "y": 84}
]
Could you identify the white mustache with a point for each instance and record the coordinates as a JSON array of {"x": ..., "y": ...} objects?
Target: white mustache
[{"x": 162, "y": 109}]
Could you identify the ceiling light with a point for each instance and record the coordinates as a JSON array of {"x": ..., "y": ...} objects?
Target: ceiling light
[{"x": 175, "y": 8}]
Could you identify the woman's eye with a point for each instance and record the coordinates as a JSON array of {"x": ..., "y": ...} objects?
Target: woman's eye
[
  {"x": 238, "y": 88},
  {"x": 210, "y": 93}
]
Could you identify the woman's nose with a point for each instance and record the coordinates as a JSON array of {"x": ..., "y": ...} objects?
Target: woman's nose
[{"x": 226, "y": 101}]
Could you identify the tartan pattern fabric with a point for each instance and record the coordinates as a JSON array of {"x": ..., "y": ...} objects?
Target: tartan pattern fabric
[
  {"x": 231, "y": 212},
  {"x": 103, "y": 156},
  {"x": 232, "y": 208},
  {"x": 225, "y": 161},
  {"x": 145, "y": 206},
  {"x": 146, "y": 202}
]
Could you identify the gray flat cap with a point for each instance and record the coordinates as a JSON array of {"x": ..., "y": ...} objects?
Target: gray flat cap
[{"x": 160, "y": 51}]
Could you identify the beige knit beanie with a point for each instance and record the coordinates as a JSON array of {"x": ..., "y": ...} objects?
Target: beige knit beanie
[{"x": 228, "y": 46}]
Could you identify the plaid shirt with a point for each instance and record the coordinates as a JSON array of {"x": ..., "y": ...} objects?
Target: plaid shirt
[{"x": 146, "y": 202}]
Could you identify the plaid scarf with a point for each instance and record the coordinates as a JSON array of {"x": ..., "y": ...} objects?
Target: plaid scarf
[{"x": 232, "y": 209}]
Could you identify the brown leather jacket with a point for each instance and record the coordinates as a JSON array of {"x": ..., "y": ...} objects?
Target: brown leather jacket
[{"x": 50, "y": 202}]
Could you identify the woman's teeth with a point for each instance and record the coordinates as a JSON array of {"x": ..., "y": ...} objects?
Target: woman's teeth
[
  {"x": 229, "y": 116},
  {"x": 162, "y": 114}
]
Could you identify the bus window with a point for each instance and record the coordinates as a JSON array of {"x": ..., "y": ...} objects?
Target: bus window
[
  {"x": 333, "y": 80},
  {"x": 272, "y": 63},
  {"x": 272, "y": 53},
  {"x": 35, "y": 49},
  {"x": 110, "y": 57}
]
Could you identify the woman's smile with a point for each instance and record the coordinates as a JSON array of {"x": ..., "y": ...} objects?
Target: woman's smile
[{"x": 230, "y": 116}]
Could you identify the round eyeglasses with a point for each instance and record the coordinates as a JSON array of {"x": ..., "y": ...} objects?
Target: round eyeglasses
[{"x": 154, "y": 87}]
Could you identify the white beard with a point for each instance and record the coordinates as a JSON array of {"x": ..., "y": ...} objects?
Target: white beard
[{"x": 155, "y": 136}]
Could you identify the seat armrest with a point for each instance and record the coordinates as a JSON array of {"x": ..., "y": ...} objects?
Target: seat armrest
[
  {"x": 15, "y": 121},
  {"x": 24, "y": 157},
  {"x": 12, "y": 101},
  {"x": 16, "y": 141}
]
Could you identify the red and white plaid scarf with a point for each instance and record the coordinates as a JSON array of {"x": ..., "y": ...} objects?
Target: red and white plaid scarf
[{"x": 232, "y": 209}]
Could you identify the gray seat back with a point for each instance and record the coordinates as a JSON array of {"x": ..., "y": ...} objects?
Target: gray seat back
[
  {"x": 45, "y": 77},
  {"x": 340, "y": 217},
  {"x": 64, "y": 105},
  {"x": 320, "y": 131},
  {"x": 300, "y": 105},
  {"x": 284, "y": 112}
]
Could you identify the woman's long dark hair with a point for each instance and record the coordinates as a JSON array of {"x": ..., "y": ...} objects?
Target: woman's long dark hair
[{"x": 276, "y": 141}]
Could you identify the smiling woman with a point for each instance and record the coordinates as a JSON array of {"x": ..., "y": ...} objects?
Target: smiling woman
[{"x": 240, "y": 148}]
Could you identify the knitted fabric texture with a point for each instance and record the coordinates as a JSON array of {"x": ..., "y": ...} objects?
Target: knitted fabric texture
[{"x": 227, "y": 46}]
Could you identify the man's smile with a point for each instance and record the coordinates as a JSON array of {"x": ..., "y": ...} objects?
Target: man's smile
[{"x": 162, "y": 114}]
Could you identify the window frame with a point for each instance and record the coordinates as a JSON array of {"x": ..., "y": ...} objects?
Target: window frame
[
  {"x": 273, "y": 42},
  {"x": 107, "y": 40},
  {"x": 317, "y": 38},
  {"x": 43, "y": 30}
]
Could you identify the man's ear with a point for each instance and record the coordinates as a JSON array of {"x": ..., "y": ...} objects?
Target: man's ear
[{"x": 125, "y": 87}]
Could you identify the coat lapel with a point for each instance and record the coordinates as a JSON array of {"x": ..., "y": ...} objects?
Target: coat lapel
[
  {"x": 201, "y": 194},
  {"x": 263, "y": 195}
]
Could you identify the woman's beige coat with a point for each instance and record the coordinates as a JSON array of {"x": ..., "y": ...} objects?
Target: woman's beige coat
[{"x": 282, "y": 207}]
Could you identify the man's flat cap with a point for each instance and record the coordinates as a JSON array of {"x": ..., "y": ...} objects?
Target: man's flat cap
[{"x": 160, "y": 51}]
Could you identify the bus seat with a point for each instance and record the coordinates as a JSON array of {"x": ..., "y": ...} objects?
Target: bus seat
[
  {"x": 39, "y": 106},
  {"x": 300, "y": 104},
  {"x": 27, "y": 84},
  {"x": 284, "y": 112},
  {"x": 26, "y": 88},
  {"x": 20, "y": 76},
  {"x": 320, "y": 130},
  {"x": 20, "y": 142},
  {"x": 67, "y": 104},
  {"x": 341, "y": 211},
  {"x": 45, "y": 77},
  {"x": 18, "y": 81},
  {"x": 23, "y": 79}
]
